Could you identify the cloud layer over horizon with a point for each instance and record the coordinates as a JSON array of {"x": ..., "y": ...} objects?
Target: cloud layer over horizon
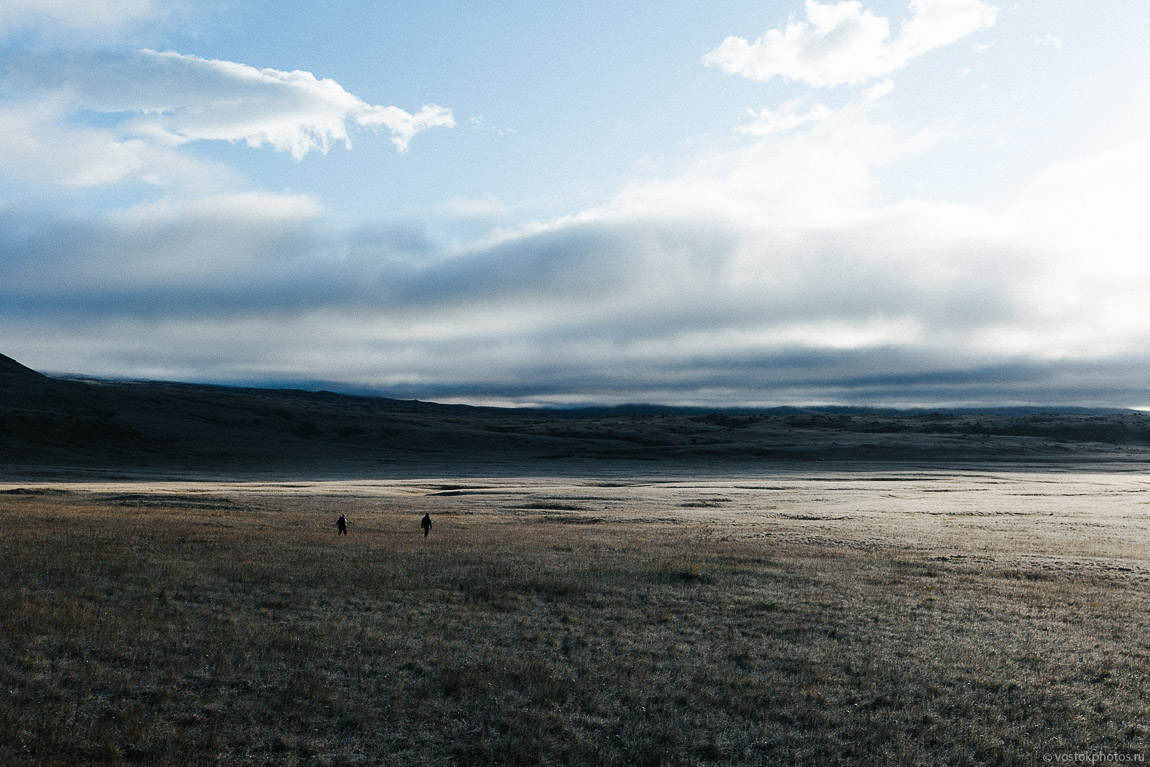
[{"x": 916, "y": 302}]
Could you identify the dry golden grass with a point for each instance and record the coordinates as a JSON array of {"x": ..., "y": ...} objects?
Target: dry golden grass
[{"x": 846, "y": 619}]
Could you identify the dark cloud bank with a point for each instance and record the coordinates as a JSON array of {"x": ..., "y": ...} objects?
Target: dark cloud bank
[{"x": 598, "y": 310}]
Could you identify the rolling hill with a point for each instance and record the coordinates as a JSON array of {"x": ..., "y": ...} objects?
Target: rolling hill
[{"x": 81, "y": 423}]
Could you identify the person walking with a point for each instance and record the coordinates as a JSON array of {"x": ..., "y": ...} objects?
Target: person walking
[
  {"x": 341, "y": 525},
  {"x": 425, "y": 523}
]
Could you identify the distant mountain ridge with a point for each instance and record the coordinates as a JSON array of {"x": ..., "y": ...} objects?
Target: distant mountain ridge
[
  {"x": 1006, "y": 410},
  {"x": 91, "y": 424}
]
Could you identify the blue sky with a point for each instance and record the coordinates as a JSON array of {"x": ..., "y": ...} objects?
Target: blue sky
[{"x": 932, "y": 203}]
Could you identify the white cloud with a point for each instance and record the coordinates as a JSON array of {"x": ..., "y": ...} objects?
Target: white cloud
[
  {"x": 186, "y": 98},
  {"x": 784, "y": 119},
  {"x": 823, "y": 170},
  {"x": 1093, "y": 207},
  {"x": 1087, "y": 217},
  {"x": 844, "y": 43},
  {"x": 40, "y": 147},
  {"x": 404, "y": 126},
  {"x": 937, "y": 23},
  {"x": 876, "y": 92},
  {"x": 86, "y": 16},
  {"x": 84, "y": 119}
]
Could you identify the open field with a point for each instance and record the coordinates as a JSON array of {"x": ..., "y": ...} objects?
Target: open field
[{"x": 837, "y": 617}]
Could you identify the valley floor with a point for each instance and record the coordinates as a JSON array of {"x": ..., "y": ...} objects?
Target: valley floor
[{"x": 894, "y": 616}]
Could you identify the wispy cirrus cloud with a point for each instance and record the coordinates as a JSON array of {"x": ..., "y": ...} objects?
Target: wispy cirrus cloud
[{"x": 844, "y": 43}]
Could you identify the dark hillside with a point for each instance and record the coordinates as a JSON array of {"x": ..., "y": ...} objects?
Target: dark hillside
[
  {"x": 85, "y": 423},
  {"x": 12, "y": 371}
]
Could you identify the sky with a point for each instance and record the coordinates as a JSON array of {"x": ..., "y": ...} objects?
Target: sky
[{"x": 933, "y": 203}]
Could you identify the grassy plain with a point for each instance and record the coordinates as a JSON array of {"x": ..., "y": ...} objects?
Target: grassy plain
[{"x": 834, "y": 618}]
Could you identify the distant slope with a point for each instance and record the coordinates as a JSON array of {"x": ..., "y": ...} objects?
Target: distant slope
[
  {"x": 12, "y": 371},
  {"x": 84, "y": 423}
]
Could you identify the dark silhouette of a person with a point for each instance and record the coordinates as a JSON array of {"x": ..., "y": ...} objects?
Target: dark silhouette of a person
[
  {"x": 425, "y": 523},
  {"x": 341, "y": 523}
]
